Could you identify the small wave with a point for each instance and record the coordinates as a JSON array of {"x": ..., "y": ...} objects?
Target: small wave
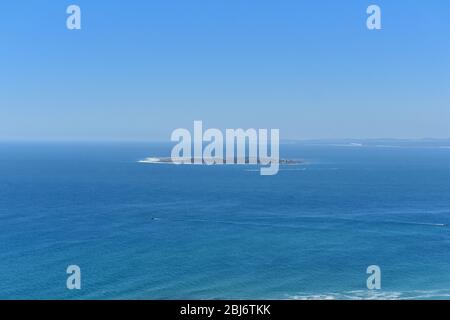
[
  {"x": 419, "y": 223},
  {"x": 301, "y": 223},
  {"x": 386, "y": 146}
]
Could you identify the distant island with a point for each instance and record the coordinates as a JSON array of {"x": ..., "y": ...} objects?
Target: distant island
[{"x": 246, "y": 160}]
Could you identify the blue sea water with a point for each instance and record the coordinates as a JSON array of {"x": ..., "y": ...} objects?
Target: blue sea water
[{"x": 161, "y": 231}]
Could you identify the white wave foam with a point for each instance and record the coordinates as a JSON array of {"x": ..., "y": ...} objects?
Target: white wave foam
[
  {"x": 281, "y": 169},
  {"x": 352, "y": 144},
  {"x": 150, "y": 160},
  {"x": 411, "y": 146},
  {"x": 376, "y": 295}
]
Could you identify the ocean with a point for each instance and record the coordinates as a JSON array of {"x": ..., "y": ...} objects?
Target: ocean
[{"x": 164, "y": 231}]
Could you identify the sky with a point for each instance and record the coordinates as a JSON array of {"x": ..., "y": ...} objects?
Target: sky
[{"x": 139, "y": 69}]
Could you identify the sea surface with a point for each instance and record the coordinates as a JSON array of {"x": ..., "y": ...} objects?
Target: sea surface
[{"x": 164, "y": 231}]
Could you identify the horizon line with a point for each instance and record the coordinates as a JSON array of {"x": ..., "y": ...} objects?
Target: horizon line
[{"x": 116, "y": 140}]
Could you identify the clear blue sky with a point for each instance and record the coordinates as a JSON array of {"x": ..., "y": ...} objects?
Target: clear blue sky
[{"x": 139, "y": 69}]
